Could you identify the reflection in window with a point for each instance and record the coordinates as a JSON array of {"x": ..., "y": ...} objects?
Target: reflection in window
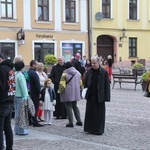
[
  {"x": 70, "y": 11},
  {"x": 6, "y": 9},
  {"x": 43, "y": 10},
  {"x": 132, "y": 47},
  {"x": 42, "y": 49},
  {"x": 106, "y": 8},
  {"x": 8, "y": 49},
  {"x": 133, "y": 9}
]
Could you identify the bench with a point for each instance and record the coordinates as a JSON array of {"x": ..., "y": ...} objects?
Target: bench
[{"x": 126, "y": 78}]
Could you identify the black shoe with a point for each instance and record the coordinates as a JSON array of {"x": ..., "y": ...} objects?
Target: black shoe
[
  {"x": 69, "y": 125},
  {"x": 38, "y": 125},
  {"x": 41, "y": 119},
  {"x": 57, "y": 118},
  {"x": 63, "y": 118},
  {"x": 96, "y": 133},
  {"x": 79, "y": 124}
]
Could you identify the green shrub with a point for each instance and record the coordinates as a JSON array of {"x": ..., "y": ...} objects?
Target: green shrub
[
  {"x": 145, "y": 75},
  {"x": 137, "y": 66},
  {"x": 50, "y": 59}
]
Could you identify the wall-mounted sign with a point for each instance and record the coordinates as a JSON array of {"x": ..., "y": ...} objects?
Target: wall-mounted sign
[
  {"x": 44, "y": 36},
  {"x": 20, "y": 35}
]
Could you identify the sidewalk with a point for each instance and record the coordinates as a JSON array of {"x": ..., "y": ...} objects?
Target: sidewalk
[{"x": 127, "y": 127}]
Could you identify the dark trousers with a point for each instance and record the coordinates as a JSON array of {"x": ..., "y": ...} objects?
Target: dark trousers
[
  {"x": 5, "y": 126},
  {"x": 72, "y": 106}
]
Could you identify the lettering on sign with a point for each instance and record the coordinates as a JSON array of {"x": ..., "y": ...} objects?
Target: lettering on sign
[{"x": 44, "y": 36}]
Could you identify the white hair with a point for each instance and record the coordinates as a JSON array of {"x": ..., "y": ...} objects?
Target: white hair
[
  {"x": 61, "y": 57},
  {"x": 18, "y": 58},
  {"x": 96, "y": 58}
]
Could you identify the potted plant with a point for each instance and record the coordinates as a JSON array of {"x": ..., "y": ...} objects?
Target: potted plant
[
  {"x": 136, "y": 67},
  {"x": 49, "y": 61},
  {"x": 145, "y": 77}
]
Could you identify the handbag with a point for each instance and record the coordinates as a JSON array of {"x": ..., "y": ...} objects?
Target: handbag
[
  {"x": 146, "y": 92},
  {"x": 84, "y": 91},
  {"x": 30, "y": 106}
]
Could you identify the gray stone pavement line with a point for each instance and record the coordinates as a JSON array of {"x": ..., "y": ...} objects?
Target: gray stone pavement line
[
  {"x": 33, "y": 134},
  {"x": 126, "y": 116},
  {"x": 125, "y": 124}
]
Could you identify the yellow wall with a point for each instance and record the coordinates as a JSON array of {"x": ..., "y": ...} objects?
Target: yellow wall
[{"x": 139, "y": 29}]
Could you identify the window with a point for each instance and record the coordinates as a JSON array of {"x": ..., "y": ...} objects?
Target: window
[
  {"x": 6, "y": 9},
  {"x": 70, "y": 49},
  {"x": 106, "y": 8},
  {"x": 8, "y": 49},
  {"x": 133, "y": 9},
  {"x": 70, "y": 11},
  {"x": 42, "y": 49},
  {"x": 43, "y": 10},
  {"x": 132, "y": 47}
]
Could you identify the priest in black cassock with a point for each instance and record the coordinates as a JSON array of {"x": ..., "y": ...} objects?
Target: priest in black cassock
[
  {"x": 55, "y": 75},
  {"x": 97, "y": 81}
]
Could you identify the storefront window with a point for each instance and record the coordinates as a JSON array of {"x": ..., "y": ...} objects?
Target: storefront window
[
  {"x": 70, "y": 49},
  {"x": 42, "y": 49},
  {"x": 8, "y": 49}
]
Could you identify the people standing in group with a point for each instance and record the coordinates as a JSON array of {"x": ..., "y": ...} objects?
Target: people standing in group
[
  {"x": 71, "y": 83},
  {"x": 24, "y": 72},
  {"x": 97, "y": 81},
  {"x": 88, "y": 64},
  {"x": 49, "y": 101},
  {"x": 83, "y": 61},
  {"x": 35, "y": 89},
  {"x": 7, "y": 92},
  {"x": 109, "y": 61},
  {"x": 42, "y": 76},
  {"x": 21, "y": 95},
  {"x": 55, "y": 75},
  {"x": 77, "y": 64}
]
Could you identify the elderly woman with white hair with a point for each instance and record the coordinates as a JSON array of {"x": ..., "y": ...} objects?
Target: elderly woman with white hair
[{"x": 97, "y": 81}]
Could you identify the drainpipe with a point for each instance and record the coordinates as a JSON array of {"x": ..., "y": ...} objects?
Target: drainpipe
[{"x": 89, "y": 10}]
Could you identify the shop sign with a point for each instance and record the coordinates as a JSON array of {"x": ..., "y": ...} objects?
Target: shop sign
[
  {"x": 21, "y": 42},
  {"x": 44, "y": 36}
]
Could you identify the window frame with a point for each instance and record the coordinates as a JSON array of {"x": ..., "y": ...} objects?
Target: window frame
[
  {"x": 12, "y": 42},
  {"x": 132, "y": 47},
  {"x": 6, "y": 9},
  {"x": 76, "y": 12},
  {"x": 69, "y": 8},
  {"x": 105, "y": 5},
  {"x": 43, "y": 42},
  {"x": 132, "y": 10},
  {"x": 50, "y": 5},
  {"x": 43, "y": 14}
]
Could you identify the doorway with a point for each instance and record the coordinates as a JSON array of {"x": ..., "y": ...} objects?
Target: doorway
[{"x": 105, "y": 45}]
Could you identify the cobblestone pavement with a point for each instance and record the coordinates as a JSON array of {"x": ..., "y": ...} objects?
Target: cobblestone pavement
[{"x": 127, "y": 127}]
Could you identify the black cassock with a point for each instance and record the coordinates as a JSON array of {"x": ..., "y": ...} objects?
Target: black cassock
[{"x": 95, "y": 111}]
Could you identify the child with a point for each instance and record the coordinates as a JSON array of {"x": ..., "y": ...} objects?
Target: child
[{"x": 49, "y": 101}]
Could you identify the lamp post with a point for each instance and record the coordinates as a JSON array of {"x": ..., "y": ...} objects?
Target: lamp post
[{"x": 123, "y": 34}]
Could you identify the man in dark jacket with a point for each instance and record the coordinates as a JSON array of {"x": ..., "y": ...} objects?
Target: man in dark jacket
[
  {"x": 77, "y": 64},
  {"x": 34, "y": 91},
  {"x": 7, "y": 92},
  {"x": 55, "y": 75},
  {"x": 97, "y": 82}
]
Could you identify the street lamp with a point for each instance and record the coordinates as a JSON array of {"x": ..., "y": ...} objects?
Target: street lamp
[{"x": 123, "y": 34}]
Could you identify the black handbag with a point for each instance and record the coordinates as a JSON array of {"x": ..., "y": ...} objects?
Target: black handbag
[{"x": 146, "y": 94}]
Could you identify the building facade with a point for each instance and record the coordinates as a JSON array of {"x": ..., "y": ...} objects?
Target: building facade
[
  {"x": 34, "y": 28},
  {"x": 120, "y": 28}
]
